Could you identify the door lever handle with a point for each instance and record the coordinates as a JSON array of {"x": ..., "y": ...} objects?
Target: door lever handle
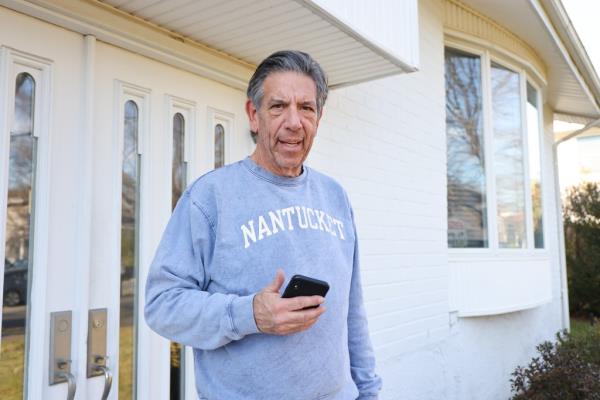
[
  {"x": 107, "y": 374},
  {"x": 71, "y": 384}
]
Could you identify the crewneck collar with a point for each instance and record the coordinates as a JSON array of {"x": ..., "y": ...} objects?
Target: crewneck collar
[{"x": 262, "y": 173}]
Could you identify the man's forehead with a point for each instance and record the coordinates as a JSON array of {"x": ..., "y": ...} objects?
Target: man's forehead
[{"x": 287, "y": 84}]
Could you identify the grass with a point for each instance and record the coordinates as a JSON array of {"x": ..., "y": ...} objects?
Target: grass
[
  {"x": 126, "y": 362},
  {"x": 581, "y": 328},
  {"x": 11, "y": 367}
]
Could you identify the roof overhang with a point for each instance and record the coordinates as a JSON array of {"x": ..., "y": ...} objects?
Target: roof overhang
[
  {"x": 225, "y": 40},
  {"x": 573, "y": 87}
]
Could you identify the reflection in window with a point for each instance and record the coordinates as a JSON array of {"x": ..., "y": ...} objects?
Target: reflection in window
[
  {"x": 219, "y": 146},
  {"x": 130, "y": 205},
  {"x": 535, "y": 172},
  {"x": 19, "y": 241},
  {"x": 508, "y": 157},
  {"x": 179, "y": 165},
  {"x": 178, "y": 174},
  {"x": 467, "y": 222}
]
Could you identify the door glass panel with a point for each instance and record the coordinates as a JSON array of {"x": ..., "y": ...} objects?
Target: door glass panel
[
  {"x": 178, "y": 174},
  {"x": 467, "y": 219},
  {"x": 130, "y": 204},
  {"x": 535, "y": 166},
  {"x": 508, "y": 157},
  {"x": 219, "y": 146},
  {"x": 19, "y": 242}
]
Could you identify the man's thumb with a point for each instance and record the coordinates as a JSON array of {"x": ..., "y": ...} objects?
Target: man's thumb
[{"x": 277, "y": 282}]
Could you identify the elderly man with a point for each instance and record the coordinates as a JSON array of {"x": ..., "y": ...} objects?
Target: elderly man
[{"x": 256, "y": 221}]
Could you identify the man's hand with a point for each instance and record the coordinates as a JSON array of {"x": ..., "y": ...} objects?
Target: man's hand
[{"x": 284, "y": 316}]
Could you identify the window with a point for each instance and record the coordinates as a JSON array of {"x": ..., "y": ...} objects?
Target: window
[
  {"x": 491, "y": 110},
  {"x": 219, "y": 146},
  {"x": 178, "y": 183},
  {"x": 467, "y": 216},
  {"x": 19, "y": 237},
  {"x": 535, "y": 166},
  {"x": 178, "y": 170},
  {"x": 508, "y": 157},
  {"x": 130, "y": 205}
]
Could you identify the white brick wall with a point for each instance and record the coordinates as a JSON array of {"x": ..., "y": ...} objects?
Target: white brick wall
[{"x": 385, "y": 142}]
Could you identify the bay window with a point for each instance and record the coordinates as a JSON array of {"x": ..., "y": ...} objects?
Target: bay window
[{"x": 493, "y": 154}]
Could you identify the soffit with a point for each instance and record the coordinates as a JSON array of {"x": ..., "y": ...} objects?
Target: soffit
[
  {"x": 249, "y": 30},
  {"x": 571, "y": 88}
]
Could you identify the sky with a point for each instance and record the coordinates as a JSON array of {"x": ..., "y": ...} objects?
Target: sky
[{"x": 584, "y": 16}]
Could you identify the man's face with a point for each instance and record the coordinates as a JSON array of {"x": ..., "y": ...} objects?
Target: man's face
[{"x": 286, "y": 122}]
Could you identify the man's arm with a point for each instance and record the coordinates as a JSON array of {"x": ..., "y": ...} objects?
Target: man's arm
[
  {"x": 177, "y": 305},
  {"x": 179, "y": 308},
  {"x": 362, "y": 357}
]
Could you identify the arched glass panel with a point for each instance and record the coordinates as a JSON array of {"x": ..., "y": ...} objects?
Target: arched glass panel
[
  {"x": 19, "y": 242},
  {"x": 219, "y": 146},
  {"x": 130, "y": 206},
  {"x": 178, "y": 174},
  {"x": 508, "y": 157},
  {"x": 467, "y": 204}
]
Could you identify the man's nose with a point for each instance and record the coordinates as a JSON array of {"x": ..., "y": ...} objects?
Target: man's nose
[{"x": 293, "y": 119}]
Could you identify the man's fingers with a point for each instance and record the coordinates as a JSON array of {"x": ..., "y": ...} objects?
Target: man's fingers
[
  {"x": 300, "y": 302},
  {"x": 303, "y": 317},
  {"x": 301, "y": 320},
  {"x": 275, "y": 286}
]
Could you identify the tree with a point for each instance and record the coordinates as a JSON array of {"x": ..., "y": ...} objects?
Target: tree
[{"x": 582, "y": 240}]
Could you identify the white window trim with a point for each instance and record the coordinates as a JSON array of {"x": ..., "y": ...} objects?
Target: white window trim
[
  {"x": 515, "y": 64},
  {"x": 187, "y": 108},
  {"x": 227, "y": 119},
  {"x": 125, "y": 91},
  {"x": 13, "y": 62}
]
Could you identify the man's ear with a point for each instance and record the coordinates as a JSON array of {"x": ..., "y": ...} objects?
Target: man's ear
[{"x": 252, "y": 115}]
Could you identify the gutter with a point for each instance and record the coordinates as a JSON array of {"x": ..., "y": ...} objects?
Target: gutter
[
  {"x": 568, "y": 34},
  {"x": 562, "y": 254}
]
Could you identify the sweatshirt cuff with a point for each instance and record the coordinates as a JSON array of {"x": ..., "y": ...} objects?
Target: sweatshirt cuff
[{"x": 242, "y": 315}]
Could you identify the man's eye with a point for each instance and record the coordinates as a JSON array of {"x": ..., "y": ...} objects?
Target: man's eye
[{"x": 277, "y": 106}]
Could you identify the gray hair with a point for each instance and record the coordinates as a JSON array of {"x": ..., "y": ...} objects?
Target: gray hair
[{"x": 288, "y": 60}]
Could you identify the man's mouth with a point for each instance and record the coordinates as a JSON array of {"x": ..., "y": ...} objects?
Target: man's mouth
[{"x": 291, "y": 144}]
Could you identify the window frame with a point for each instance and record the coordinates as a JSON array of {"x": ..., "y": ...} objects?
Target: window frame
[
  {"x": 527, "y": 74},
  {"x": 12, "y": 63},
  {"x": 125, "y": 91},
  {"x": 226, "y": 119}
]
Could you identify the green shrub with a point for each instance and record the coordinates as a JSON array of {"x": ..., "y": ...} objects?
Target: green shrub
[
  {"x": 582, "y": 241},
  {"x": 566, "y": 370}
]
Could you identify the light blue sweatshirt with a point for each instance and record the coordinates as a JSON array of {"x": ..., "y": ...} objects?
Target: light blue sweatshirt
[{"x": 230, "y": 232}]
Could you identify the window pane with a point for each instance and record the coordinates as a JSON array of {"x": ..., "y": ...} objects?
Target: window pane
[
  {"x": 535, "y": 165},
  {"x": 130, "y": 204},
  {"x": 19, "y": 242},
  {"x": 467, "y": 221},
  {"x": 508, "y": 157},
  {"x": 219, "y": 146},
  {"x": 178, "y": 174},
  {"x": 178, "y": 171}
]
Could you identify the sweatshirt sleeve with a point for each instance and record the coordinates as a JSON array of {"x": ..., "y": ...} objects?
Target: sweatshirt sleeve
[
  {"x": 362, "y": 357},
  {"x": 178, "y": 306}
]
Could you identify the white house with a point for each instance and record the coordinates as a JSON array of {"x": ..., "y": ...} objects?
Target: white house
[
  {"x": 578, "y": 158},
  {"x": 439, "y": 125}
]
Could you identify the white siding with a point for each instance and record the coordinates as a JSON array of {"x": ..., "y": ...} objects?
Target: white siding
[{"x": 390, "y": 24}]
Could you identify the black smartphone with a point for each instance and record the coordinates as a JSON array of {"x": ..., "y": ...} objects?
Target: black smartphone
[{"x": 301, "y": 285}]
